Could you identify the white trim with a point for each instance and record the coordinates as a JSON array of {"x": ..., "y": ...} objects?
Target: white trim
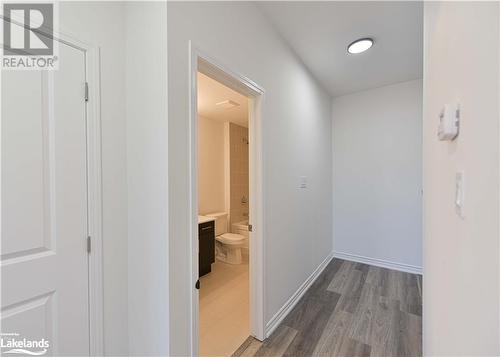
[
  {"x": 93, "y": 113},
  {"x": 193, "y": 203},
  {"x": 200, "y": 61},
  {"x": 407, "y": 268},
  {"x": 498, "y": 114},
  {"x": 294, "y": 299},
  {"x": 256, "y": 242},
  {"x": 94, "y": 194}
]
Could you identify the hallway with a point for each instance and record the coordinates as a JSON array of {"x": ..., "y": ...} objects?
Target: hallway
[
  {"x": 352, "y": 309},
  {"x": 250, "y": 178}
]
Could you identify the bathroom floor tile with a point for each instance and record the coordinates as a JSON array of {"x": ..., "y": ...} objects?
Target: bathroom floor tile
[{"x": 224, "y": 309}]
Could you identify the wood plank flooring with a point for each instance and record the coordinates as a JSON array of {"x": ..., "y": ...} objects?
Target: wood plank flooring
[{"x": 351, "y": 310}]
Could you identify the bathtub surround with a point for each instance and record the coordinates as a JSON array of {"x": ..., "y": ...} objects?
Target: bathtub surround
[{"x": 238, "y": 173}]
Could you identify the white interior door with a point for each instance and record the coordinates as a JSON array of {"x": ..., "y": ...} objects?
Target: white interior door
[{"x": 44, "y": 259}]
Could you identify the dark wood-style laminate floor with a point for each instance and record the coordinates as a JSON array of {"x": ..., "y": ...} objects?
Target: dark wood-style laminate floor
[{"x": 352, "y": 309}]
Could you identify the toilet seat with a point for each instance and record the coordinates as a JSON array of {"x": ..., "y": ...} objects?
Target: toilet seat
[{"x": 231, "y": 238}]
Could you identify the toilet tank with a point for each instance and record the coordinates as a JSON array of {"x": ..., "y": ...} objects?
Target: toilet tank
[
  {"x": 240, "y": 228},
  {"x": 220, "y": 222}
]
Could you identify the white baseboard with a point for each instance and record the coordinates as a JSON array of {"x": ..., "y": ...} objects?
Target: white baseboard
[
  {"x": 292, "y": 301},
  {"x": 379, "y": 262}
]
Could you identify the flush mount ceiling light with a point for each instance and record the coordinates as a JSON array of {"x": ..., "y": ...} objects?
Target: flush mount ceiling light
[
  {"x": 227, "y": 104},
  {"x": 360, "y": 45}
]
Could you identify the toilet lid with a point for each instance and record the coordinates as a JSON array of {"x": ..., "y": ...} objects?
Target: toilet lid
[{"x": 231, "y": 238}]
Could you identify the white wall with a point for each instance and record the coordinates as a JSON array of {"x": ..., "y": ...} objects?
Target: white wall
[
  {"x": 147, "y": 154},
  {"x": 211, "y": 166},
  {"x": 377, "y": 175},
  {"x": 296, "y": 142},
  {"x": 102, "y": 24},
  {"x": 134, "y": 167},
  {"x": 461, "y": 256}
]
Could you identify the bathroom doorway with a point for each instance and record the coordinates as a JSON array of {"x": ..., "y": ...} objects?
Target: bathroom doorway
[
  {"x": 223, "y": 216},
  {"x": 226, "y": 204}
]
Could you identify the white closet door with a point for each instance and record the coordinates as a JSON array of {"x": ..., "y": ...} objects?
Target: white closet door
[{"x": 44, "y": 260}]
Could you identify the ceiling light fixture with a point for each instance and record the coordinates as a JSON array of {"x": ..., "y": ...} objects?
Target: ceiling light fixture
[{"x": 360, "y": 45}]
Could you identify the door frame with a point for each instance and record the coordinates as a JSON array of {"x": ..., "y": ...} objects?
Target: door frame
[
  {"x": 200, "y": 61},
  {"x": 94, "y": 193},
  {"x": 94, "y": 172},
  {"x": 94, "y": 180}
]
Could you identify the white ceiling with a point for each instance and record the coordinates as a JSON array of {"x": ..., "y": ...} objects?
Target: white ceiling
[
  {"x": 319, "y": 33},
  {"x": 211, "y": 92}
]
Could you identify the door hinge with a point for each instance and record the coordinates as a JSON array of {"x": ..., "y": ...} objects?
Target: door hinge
[
  {"x": 250, "y": 228},
  {"x": 89, "y": 244},
  {"x": 86, "y": 91}
]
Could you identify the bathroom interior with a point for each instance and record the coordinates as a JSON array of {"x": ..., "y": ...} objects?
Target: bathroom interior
[{"x": 223, "y": 216}]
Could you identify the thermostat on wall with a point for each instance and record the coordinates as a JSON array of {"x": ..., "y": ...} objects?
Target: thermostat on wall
[{"x": 449, "y": 120}]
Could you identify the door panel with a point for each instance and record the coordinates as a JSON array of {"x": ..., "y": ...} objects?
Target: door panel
[
  {"x": 44, "y": 205},
  {"x": 24, "y": 184}
]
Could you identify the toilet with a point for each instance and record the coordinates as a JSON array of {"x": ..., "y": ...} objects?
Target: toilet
[{"x": 228, "y": 245}]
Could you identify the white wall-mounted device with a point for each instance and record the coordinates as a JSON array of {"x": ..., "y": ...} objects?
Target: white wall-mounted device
[{"x": 449, "y": 121}]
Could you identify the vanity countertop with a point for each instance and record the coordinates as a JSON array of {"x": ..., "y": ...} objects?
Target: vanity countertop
[{"x": 205, "y": 219}]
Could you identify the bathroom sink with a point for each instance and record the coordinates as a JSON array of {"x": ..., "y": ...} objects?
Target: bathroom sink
[{"x": 204, "y": 219}]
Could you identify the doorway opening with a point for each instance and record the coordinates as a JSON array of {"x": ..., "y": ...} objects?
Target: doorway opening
[
  {"x": 226, "y": 209},
  {"x": 223, "y": 209}
]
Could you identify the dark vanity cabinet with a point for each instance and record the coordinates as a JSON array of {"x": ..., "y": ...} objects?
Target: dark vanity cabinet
[{"x": 206, "y": 245}]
